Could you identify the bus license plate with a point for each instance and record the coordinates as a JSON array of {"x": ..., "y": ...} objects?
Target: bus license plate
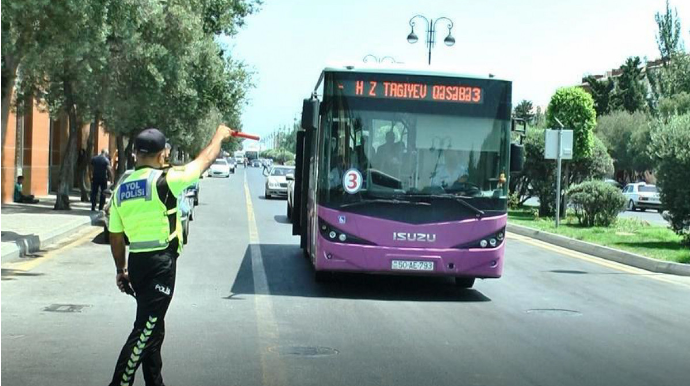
[{"x": 409, "y": 265}]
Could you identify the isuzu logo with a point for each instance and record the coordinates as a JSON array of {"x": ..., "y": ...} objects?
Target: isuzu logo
[{"x": 404, "y": 236}]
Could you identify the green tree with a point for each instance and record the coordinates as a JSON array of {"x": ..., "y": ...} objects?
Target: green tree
[
  {"x": 168, "y": 71},
  {"x": 62, "y": 67},
  {"x": 626, "y": 135},
  {"x": 133, "y": 64},
  {"x": 22, "y": 26},
  {"x": 601, "y": 91},
  {"x": 678, "y": 104},
  {"x": 669, "y": 148},
  {"x": 674, "y": 76},
  {"x": 668, "y": 38},
  {"x": 629, "y": 93},
  {"x": 288, "y": 138},
  {"x": 524, "y": 110},
  {"x": 539, "y": 118},
  {"x": 574, "y": 107},
  {"x": 538, "y": 173}
]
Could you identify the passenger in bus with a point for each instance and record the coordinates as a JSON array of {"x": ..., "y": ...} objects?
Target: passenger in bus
[
  {"x": 450, "y": 172},
  {"x": 336, "y": 173},
  {"x": 363, "y": 159},
  {"x": 389, "y": 155}
]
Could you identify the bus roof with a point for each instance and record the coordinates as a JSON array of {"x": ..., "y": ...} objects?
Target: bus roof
[{"x": 400, "y": 70}]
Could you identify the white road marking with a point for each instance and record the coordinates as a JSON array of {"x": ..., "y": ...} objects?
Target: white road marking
[{"x": 602, "y": 262}]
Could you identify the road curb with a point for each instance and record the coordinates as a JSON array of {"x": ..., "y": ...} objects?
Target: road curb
[
  {"x": 607, "y": 253},
  {"x": 33, "y": 243}
]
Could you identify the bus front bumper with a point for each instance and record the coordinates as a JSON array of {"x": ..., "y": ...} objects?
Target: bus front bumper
[{"x": 480, "y": 263}]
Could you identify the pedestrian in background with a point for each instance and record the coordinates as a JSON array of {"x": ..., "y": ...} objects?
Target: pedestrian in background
[
  {"x": 100, "y": 172},
  {"x": 19, "y": 196}
]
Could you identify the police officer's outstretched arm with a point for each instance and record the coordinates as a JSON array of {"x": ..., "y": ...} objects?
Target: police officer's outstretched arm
[
  {"x": 179, "y": 178},
  {"x": 205, "y": 159}
]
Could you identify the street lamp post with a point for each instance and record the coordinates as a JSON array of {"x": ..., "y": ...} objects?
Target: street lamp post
[{"x": 431, "y": 32}]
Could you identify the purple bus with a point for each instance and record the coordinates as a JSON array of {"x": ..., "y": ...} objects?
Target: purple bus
[{"x": 405, "y": 172}]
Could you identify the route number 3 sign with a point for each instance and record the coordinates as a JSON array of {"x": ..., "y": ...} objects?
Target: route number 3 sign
[{"x": 352, "y": 181}]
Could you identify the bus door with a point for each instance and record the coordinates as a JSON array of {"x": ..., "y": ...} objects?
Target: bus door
[
  {"x": 310, "y": 121},
  {"x": 297, "y": 193}
]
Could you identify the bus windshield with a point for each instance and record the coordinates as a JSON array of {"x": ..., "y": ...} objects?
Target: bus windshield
[{"x": 411, "y": 154}]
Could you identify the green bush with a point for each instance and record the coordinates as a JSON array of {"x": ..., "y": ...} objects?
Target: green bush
[
  {"x": 513, "y": 201},
  {"x": 596, "y": 203},
  {"x": 670, "y": 148}
]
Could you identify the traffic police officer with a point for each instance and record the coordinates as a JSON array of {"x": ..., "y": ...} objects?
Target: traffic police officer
[{"x": 144, "y": 208}]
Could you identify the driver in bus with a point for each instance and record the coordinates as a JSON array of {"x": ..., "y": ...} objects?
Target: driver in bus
[
  {"x": 389, "y": 155},
  {"x": 450, "y": 172}
]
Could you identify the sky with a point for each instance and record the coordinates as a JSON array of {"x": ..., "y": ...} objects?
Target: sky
[{"x": 540, "y": 45}]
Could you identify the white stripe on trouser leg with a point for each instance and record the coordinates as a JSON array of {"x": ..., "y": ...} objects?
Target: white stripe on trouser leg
[{"x": 137, "y": 351}]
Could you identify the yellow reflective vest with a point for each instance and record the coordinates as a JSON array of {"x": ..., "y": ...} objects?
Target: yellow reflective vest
[{"x": 148, "y": 222}]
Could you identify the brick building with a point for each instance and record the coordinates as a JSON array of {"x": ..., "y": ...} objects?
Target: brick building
[{"x": 34, "y": 145}]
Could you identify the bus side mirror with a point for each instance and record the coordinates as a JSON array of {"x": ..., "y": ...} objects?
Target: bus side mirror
[
  {"x": 517, "y": 157},
  {"x": 310, "y": 114}
]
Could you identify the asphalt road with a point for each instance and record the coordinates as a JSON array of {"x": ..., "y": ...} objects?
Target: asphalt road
[{"x": 247, "y": 312}]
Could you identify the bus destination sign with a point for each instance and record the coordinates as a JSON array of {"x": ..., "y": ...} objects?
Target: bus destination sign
[{"x": 412, "y": 91}]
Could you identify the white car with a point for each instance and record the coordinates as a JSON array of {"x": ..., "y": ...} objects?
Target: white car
[
  {"x": 276, "y": 181},
  {"x": 219, "y": 168},
  {"x": 642, "y": 196}
]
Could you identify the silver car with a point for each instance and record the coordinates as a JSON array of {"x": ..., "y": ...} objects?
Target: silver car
[
  {"x": 276, "y": 181},
  {"x": 642, "y": 196}
]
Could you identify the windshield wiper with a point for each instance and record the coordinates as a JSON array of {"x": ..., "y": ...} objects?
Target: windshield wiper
[
  {"x": 457, "y": 198},
  {"x": 383, "y": 201}
]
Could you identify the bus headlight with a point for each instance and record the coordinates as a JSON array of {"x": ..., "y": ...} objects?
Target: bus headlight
[
  {"x": 334, "y": 234},
  {"x": 492, "y": 240}
]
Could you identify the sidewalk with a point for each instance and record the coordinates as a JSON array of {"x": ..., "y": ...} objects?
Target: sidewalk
[{"x": 28, "y": 228}]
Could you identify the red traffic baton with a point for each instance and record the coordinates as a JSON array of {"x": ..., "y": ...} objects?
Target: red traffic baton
[{"x": 245, "y": 135}]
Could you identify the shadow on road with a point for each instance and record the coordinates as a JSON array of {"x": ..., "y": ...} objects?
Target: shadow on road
[
  {"x": 282, "y": 219},
  {"x": 101, "y": 239},
  {"x": 288, "y": 273},
  {"x": 10, "y": 274}
]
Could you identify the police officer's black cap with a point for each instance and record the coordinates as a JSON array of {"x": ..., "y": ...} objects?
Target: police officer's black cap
[{"x": 149, "y": 141}]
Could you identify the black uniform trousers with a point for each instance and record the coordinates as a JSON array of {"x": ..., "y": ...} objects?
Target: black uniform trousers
[
  {"x": 152, "y": 275},
  {"x": 96, "y": 185}
]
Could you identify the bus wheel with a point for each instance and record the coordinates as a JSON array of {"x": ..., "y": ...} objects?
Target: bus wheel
[
  {"x": 464, "y": 282},
  {"x": 323, "y": 276}
]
